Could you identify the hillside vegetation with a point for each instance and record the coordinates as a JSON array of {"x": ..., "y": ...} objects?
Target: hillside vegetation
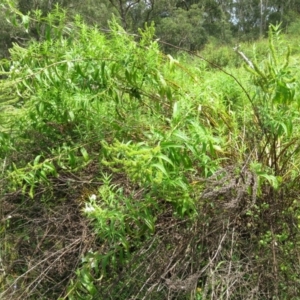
[{"x": 127, "y": 173}]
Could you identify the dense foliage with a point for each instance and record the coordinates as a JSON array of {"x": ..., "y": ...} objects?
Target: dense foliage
[{"x": 129, "y": 174}]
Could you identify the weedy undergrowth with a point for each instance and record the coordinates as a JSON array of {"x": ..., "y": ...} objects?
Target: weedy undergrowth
[{"x": 126, "y": 175}]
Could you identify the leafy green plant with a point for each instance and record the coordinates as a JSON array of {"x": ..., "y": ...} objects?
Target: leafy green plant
[
  {"x": 192, "y": 176},
  {"x": 121, "y": 224},
  {"x": 274, "y": 106}
]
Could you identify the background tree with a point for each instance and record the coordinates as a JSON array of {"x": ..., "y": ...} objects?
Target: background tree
[
  {"x": 182, "y": 27},
  {"x": 186, "y": 23},
  {"x": 124, "y": 7},
  {"x": 217, "y": 19}
]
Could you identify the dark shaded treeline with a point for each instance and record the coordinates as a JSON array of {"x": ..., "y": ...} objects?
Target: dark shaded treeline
[{"x": 185, "y": 23}]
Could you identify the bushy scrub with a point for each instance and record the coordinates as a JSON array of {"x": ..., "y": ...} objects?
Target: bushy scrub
[
  {"x": 96, "y": 113},
  {"x": 179, "y": 180}
]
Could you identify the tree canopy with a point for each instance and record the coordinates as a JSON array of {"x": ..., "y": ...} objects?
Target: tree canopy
[{"x": 188, "y": 24}]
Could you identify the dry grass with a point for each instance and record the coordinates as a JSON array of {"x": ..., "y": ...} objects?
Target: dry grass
[{"x": 216, "y": 256}]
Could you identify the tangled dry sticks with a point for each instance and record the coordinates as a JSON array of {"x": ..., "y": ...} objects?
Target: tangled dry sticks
[{"x": 217, "y": 255}]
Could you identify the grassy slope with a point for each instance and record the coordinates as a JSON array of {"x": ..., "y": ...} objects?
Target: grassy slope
[{"x": 163, "y": 184}]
